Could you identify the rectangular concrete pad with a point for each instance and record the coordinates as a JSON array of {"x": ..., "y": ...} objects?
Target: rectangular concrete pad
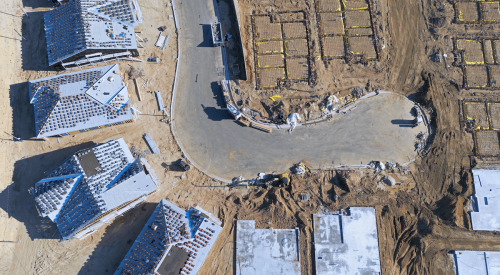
[
  {"x": 477, "y": 111},
  {"x": 357, "y": 19},
  {"x": 485, "y": 200},
  {"x": 495, "y": 115},
  {"x": 362, "y": 45},
  {"x": 270, "y": 61},
  {"x": 294, "y": 30},
  {"x": 355, "y": 4},
  {"x": 346, "y": 244},
  {"x": 334, "y": 46},
  {"x": 269, "y": 47},
  {"x": 495, "y": 76},
  {"x": 477, "y": 76},
  {"x": 268, "y": 77},
  {"x": 332, "y": 24},
  {"x": 296, "y": 47},
  {"x": 488, "y": 142},
  {"x": 476, "y": 262},
  {"x": 473, "y": 51},
  {"x": 468, "y": 11},
  {"x": 297, "y": 68},
  {"x": 496, "y": 49},
  {"x": 490, "y": 11},
  {"x": 266, "y": 251},
  {"x": 289, "y": 17},
  {"x": 265, "y": 30},
  {"x": 359, "y": 31},
  {"x": 329, "y": 5},
  {"x": 488, "y": 52}
]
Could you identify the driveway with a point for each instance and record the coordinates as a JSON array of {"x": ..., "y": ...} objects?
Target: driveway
[{"x": 377, "y": 129}]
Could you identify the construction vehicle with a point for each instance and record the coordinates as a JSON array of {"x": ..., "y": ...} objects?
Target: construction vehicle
[
  {"x": 276, "y": 180},
  {"x": 284, "y": 179},
  {"x": 184, "y": 165},
  {"x": 417, "y": 121}
]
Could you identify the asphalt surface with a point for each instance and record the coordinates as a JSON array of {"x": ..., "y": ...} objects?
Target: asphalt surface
[{"x": 377, "y": 129}]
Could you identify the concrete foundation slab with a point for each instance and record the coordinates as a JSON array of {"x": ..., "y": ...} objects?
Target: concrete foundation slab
[
  {"x": 476, "y": 262},
  {"x": 346, "y": 243},
  {"x": 266, "y": 251},
  {"x": 485, "y": 204}
]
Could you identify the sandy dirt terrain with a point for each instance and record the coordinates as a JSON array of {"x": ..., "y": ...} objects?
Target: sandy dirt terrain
[
  {"x": 418, "y": 221},
  {"x": 29, "y": 244},
  {"x": 335, "y": 77}
]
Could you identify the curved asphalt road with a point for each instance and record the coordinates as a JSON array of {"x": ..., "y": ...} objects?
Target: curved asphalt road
[{"x": 226, "y": 149}]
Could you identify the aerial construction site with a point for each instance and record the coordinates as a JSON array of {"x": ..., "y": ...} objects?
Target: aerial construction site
[{"x": 250, "y": 137}]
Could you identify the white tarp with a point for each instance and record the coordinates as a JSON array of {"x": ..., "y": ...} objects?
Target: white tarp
[
  {"x": 292, "y": 121},
  {"x": 332, "y": 105},
  {"x": 160, "y": 40}
]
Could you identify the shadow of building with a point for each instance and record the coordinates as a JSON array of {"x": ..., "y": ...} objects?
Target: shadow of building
[
  {"x": 23, "y": 117},
  {"x": 18, "y": 203},
  {"x": 207, "y": 36},
  {"x": 34, "y": 45},
  {"x": 38, "y": 4},
  {"x": 234, "y": 47}
]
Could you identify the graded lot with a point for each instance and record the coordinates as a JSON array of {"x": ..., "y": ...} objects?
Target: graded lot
[{"x": 418, "y": 223}]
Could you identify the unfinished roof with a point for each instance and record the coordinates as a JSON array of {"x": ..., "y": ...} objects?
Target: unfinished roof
[
  {"x": 74, "y": 198},
  {"x": 476, "y": 262},
  {"x": 347, "y": 243},
  {"x": 81, "y": 25},
  {"x": 80, "y": 100},
  {"x": 485, "y": 202},
  {"x": 266, "y": 251},
  {"x": 173, "y": 241},
  {"x": 89, "y": 162}
]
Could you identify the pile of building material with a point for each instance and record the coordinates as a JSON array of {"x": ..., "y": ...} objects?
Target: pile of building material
[
  {"x": 217, "y": 34},
  {"x": 161, "y": 41},
  {"x": 151, "y": 144}
]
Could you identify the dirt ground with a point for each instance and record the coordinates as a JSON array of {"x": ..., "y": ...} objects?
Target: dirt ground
[
  {"x": 335, "y": 77},
  {"x": 29, "y": 244},
  {"x": 419, "y": 221}
]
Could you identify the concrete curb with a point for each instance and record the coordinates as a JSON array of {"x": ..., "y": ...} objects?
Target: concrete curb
[
  {"x": 284, "y": 126},
  {"x": 344, "y": 108},
  {"x": 174, "y": 93},
  {"x": 172, "y": 103}
]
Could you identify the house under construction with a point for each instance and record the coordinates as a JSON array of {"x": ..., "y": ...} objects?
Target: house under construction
[
  {"x": 79, "y": 102},
  {"x": 173, "y": 241},
  {"x": 92, "y": 187},
  {"x": 83, "y": 32}
]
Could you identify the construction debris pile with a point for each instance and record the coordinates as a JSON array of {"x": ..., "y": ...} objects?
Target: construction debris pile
[{"x": 134, "y": 73}]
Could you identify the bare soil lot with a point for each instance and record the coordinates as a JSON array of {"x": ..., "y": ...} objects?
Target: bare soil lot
[{"x": 419, "y": 221}]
